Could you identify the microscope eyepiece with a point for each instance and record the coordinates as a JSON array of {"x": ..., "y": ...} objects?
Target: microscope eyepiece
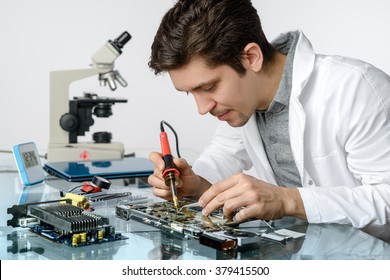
[{"x": 119, "y": 42}]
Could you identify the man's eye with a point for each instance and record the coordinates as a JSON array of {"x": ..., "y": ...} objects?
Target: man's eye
[{"x": 208, "y": 89}]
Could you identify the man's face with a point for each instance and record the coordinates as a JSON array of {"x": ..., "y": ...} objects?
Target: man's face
[{"x": 220, "y": 91}]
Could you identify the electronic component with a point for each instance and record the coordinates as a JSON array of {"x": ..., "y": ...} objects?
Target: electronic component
[
  {"x": 218, "y": 242},
  {"x": 111, "y": 199},
  {"x": 96, "y": 185},
  {"x": 64, "y": 223},
  {"x": 28, "y": 164},
  {"x": 78, "y": 200},
  {"x": 215, "y": 230},
  {"x": 242, "y": 237},
  {"x": 282, "y": 235}
]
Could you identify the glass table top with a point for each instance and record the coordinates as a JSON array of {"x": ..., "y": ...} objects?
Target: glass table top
[{"x": 144, "y": 242}]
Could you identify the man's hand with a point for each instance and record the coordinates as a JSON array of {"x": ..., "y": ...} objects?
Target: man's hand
[
  {"x": 253, "y": 198},
  {"x": 190, "y": 183}
]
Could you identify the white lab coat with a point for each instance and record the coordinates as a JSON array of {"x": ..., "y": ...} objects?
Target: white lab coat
[{"x": 339, "y": 125}]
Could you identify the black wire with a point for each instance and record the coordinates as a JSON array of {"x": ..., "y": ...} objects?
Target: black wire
[
  {"x": 71, "y": 190},
  {"x": 174, "y": 132}
]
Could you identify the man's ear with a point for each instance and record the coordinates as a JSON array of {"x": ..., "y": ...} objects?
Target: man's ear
[{"x": 253, "y": 57}]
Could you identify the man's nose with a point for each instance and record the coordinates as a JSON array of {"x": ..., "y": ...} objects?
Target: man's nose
[{"x": 204, "y": 103}]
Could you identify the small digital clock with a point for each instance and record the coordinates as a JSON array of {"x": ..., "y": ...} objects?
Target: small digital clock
[{"x": 28, "y": 163}]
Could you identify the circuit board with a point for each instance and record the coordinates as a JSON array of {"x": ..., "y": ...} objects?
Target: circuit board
[
  {"x": 214, "y": 230},
  {"x": 65, "y": 223}
]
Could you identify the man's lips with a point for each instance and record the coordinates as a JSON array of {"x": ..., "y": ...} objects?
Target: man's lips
[{"x": 223, "y": 116}]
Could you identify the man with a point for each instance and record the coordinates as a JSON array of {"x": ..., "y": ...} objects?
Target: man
[{"x": 314, "y": 128}]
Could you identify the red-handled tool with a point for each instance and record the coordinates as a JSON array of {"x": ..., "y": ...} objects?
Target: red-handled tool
[{"x": 170, "y": 173}]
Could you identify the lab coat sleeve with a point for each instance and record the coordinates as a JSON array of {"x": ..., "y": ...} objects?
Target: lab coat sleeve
[
  {"x": 224, "y": 157},
  {"x": 363, "y": 143}
]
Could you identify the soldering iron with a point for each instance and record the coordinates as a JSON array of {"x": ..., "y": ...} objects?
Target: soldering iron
[{"x": 170, "y": 173}]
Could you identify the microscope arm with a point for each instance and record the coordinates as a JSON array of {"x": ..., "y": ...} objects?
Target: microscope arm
[{"x": 59, "y": 99}]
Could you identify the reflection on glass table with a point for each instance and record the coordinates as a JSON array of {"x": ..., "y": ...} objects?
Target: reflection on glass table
[{"x": 143, "y": 243}]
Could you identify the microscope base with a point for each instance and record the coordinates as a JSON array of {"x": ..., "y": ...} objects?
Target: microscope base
[{"x": 85, "y": 151}]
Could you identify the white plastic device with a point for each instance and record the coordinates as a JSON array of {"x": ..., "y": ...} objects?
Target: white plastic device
[{"x": 28, "y": 163}]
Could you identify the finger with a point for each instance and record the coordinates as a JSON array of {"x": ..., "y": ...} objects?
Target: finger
[
  {"x": 162, "y": 193},
  {"x": 240, "y": 196},
  {"x": 156, "y": 181},
  {"x": 215, "y": 190},
  {"x": 247, "y": 213},
  {"x": 159, "y": 187},
  {"x": 243, "y": 215},
  {"x": 231, "y": 199},
  {"x": 180, "y": 163},
  {"x": 157, "y": 160},
  {"x": 234, "y": 198},
  {"x": 221, "y": 195},
  {"x": 183, "y": 166}
]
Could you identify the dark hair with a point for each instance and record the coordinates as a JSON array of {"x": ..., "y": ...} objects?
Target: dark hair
[{"x": 216, "y": 30}]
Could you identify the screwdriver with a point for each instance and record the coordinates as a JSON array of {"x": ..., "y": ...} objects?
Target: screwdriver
[{"x": 170, "y": 173}]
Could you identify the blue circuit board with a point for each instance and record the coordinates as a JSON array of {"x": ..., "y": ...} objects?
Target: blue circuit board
[{"x": 85, "y": 238}]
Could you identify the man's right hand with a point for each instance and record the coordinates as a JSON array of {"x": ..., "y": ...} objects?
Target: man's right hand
[{"x": 190, "y": 183}]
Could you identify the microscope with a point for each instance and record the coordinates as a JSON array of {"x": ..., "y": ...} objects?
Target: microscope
[{"x": 72, "y": 118}]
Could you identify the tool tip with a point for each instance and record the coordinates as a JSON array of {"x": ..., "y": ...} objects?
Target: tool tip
[{"x": 176, "y": 202}]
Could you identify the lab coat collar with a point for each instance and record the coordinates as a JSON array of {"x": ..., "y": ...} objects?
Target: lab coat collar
[
  {"x": 302, "y": 69},
  {"x": 303, "y": 59},
  {"x": 303, "y": 65}
]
